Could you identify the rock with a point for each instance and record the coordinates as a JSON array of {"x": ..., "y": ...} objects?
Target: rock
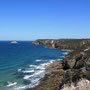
[
  {"x": 88, "y": 67},
  {"x": 83, "y": 69},
  {"x": 14, "y": 42},
  {"x": 82, "y": 84},
  {"x": 69, "y": 74}
]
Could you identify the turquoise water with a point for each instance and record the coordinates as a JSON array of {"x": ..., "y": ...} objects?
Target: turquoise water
[{"x": 21, "y": 66}]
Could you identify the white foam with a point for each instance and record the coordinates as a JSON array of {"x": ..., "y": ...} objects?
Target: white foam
[
  {"x": 27, "y": 77},
  {"x": 42, "y": 66},
  {"x": 59, "y": 59},
  {"x": 39, "y": 67},
  {"x": 65, "y": 53},
  {"x": 28, "y": 71},
  {"x": 39, "y": 72},
  {"x": 19, "y": 70},
  {"x": 34, "y": 83},
  {"x": 33, "y": 66},
  {"x": 34, "y": 78},
  {"x": 11, "y": 84},
  {"x": 38, "y": 60},
  {"x": 21, "y": 87}
]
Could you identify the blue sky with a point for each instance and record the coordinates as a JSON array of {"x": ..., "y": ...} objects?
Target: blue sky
[{"x": 34, "y": 19}]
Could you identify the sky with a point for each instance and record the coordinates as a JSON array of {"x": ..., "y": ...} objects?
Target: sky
[{"x": 44, "y": 19}]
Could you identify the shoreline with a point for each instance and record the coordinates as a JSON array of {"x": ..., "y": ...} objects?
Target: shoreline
[
  {"x": 72, "y": 70},
  {"x": 54, "y": 66},
  {"x": 52, "y": 69}
]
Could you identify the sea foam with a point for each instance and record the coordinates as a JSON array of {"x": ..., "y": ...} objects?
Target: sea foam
[
  {"x": 34, "y": 73},
  {"x": 11, "y": 84}
]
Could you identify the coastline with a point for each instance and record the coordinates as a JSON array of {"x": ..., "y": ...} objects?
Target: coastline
[
  {"x": 31, "y": 73},
  {"x": 51, "y": 70},
  {"x": 73, "y": 71},
  {"x": 55, "y": 67}
]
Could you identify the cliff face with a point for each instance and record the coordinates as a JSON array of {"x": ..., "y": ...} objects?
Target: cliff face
[
  {"x": 79, "y": 58},
  {"x": 49, "y": 42},
  {"x": 62, "y": 43},
  {"x": 76, "y": 65}
]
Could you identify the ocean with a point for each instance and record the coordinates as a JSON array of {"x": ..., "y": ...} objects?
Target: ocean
[{"x": 22, "y": 65}]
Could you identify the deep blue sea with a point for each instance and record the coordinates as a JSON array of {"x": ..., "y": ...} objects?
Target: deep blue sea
[{"x": 22, "y": 65}]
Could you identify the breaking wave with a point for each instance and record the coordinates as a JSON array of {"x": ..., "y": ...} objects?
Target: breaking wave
[{"x": 33, "y": 74}]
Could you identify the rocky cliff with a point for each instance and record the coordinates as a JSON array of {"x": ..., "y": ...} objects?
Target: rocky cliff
[
  {"x": 62, "y": 43},
  {"x": 75, "y": 65}
]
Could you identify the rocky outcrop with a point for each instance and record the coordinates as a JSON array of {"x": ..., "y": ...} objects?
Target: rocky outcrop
[
  {"x": 78, "y": 58},
  {"x": 82, "y": 84}
]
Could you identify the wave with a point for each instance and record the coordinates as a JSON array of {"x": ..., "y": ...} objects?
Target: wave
[
  {"x": 27, "y": 77},
  {"x": 34, "y": 73},
  {"x": 33, "y": 66},
  {"x": 38, "y": 60},
  {"x": 11, "y": 84},
  {"x": 19, "y": 70},
  {"x": 21, "y": 87},
  {"x": 28, "y": 71}
]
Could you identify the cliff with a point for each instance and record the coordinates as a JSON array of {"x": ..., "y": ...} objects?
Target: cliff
[
  {"x": 70, "y": 44},
  {"x": 73, "y": 70}
]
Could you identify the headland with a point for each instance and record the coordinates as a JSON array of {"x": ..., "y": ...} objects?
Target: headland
[{"x": 71, "y": 73}]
